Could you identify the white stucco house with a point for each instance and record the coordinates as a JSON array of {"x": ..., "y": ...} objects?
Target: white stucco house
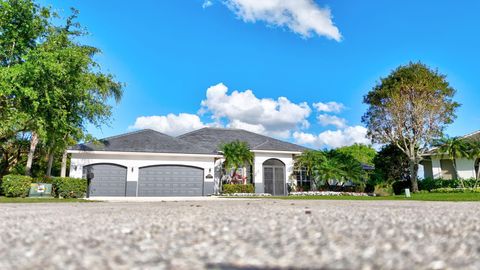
[
  {"x": 436, "y": 165},
  {"x": 150, "y": 163}
]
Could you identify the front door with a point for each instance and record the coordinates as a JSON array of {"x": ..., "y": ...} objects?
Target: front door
[{"x": 274, "y": 177}]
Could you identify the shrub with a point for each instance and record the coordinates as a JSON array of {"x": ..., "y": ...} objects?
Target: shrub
[
  {"x": 456, "y": 190},
  {"x": 237, "y": 188},
  {"x": 66, "y": 187},
  {"x": 43, "y": 179},
  {"x": 16, "y": 185},
  {"x": 383, "y": 190},
  {"x": 400, "y": 186},
  {"x": 431, "y": 183}
]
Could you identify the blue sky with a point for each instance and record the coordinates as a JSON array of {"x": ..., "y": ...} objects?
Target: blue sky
[{"x": 300, "y": 69}]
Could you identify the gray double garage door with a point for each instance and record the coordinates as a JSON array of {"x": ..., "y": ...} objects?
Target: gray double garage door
[{"x": 164, "y": 180}]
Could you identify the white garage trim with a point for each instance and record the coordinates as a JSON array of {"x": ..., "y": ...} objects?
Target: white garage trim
[{"x": 141, "y": 154}]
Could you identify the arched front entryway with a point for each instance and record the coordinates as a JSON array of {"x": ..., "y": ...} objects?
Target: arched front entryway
[{"x": 274, "y": 177}]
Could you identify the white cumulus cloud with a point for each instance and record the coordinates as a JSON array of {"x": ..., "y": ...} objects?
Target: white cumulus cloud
[
  {"x": 331, "y": 107},
  {"x": 264, "y": 115},
  {"x": 331, "y": 120},
  {"x": 207, "y": 3},
  {"x": 334, "y": 139},
  {"x": 303, "y": 17},
  {"x": 170, "y": 124}
]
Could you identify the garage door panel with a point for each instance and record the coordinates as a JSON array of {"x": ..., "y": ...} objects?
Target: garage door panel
[
  {"x": 171, "y": 180},
  {"x": 108, "y": 180}
]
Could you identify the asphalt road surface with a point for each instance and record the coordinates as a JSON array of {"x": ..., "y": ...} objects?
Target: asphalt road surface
[{"x": 245, "y": 234}]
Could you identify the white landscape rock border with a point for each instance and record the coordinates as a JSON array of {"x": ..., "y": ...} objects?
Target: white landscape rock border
[
  {"x": 246, "y": 195},
  {"x": 328, "y": 193}
]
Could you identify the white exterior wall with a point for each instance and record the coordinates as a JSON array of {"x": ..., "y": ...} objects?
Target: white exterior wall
[
  {"x": 135, "y": 161},
  {"x": 465, "y": 168},
  {"x": 261, "y": 157},
  {"x": 436, "y": 169}
]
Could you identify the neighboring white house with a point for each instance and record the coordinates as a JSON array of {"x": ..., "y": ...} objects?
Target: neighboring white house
[
  {"x": 436, "y": 165},
  {"x": 149, "y": 163}
]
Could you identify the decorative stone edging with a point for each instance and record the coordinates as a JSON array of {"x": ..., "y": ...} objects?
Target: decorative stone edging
[
  {"x": 246, "y": 195},
  {"x": 327, "y": 193}
]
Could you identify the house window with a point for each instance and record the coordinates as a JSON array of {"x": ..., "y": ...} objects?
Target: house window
[{"x": 303, "y": 180}]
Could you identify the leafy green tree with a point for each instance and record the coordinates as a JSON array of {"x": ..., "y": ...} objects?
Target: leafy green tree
[
  {"x": 51, "y": 88},
  {"x": 22, "y": 24},
  {"x": 410, "y": 109},
  {"x": 237, "y": 154},
  {"x": 361, "y": 152},
  {"x": 391, "y": 165}
]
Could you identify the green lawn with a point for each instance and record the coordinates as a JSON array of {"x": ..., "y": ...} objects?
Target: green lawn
[
  {"x": 38, "y": 200},
  {"x": 460, "y": 197}
]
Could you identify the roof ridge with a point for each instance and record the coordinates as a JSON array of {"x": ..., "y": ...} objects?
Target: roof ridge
[
  {"x": 470, "y": 134},
  {"x": 129, "y": 133}
]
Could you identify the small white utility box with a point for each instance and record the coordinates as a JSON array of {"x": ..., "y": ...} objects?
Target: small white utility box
[{"x": 407, "y": 193}]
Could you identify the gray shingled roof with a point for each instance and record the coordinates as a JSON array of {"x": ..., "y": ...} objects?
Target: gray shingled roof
[
  {"x": 212, "y": 138},
  {"x": 146, "y": 140}
]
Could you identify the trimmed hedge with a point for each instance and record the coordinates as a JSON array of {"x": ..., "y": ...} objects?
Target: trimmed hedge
[
  {"x": 238, "y": 188},
  {"x": 456, "y": 190},
  {"x": 66, "y": 187},
  {"x": 16, "y": 185},
  {"x": 430, "y": 183}
]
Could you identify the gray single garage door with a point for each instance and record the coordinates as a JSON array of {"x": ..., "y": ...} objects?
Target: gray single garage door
[
  {"x": 171, "y": 180},
  {"x": 108, "y": 179}
]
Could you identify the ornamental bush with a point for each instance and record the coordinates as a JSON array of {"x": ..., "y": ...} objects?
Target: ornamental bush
[
  {"x": 16, "y": 185},
  {"x": 431, "y": 183},
  {"x": 66, "y": 187},
  {"x": 238, "y": 188},
  {"x": 400, "y": 186},
  {"x": 456, "y": 190},
  {"x": 383, "y": 190}
]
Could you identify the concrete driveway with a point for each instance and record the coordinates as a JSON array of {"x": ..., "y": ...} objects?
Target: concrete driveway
[{"x": 241, "y": 234}]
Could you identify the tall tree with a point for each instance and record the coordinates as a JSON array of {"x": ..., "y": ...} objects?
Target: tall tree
[
  {"x": 51, "y": 86},
  {"x": 410, "y": 109}
]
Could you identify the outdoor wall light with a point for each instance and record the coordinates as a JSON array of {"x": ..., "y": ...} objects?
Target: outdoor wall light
[
  {"x": 75, "y": 167},
  {"x": 209, "y": 175},
  {"x": 132, "y": 169}
]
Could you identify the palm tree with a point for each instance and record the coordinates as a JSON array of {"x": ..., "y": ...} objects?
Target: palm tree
[
  {"x": 330, "y": 165},
  {"x": 311, "y": 161},
  {"x": 237, "y": 154},
  {"x": 474, "y": 147},
  {"x": 453, "y": 148}
]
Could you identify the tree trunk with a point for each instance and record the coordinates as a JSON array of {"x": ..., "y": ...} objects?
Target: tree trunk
[
  {"x": 414, "y": 175},
  {"x": 31, "y": 152},
  {"x": 63, "y": 171},
  {"x": 50, "y": 163}
]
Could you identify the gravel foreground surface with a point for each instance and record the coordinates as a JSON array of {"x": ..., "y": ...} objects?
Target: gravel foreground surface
[{"x": 245, "y": 234}]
